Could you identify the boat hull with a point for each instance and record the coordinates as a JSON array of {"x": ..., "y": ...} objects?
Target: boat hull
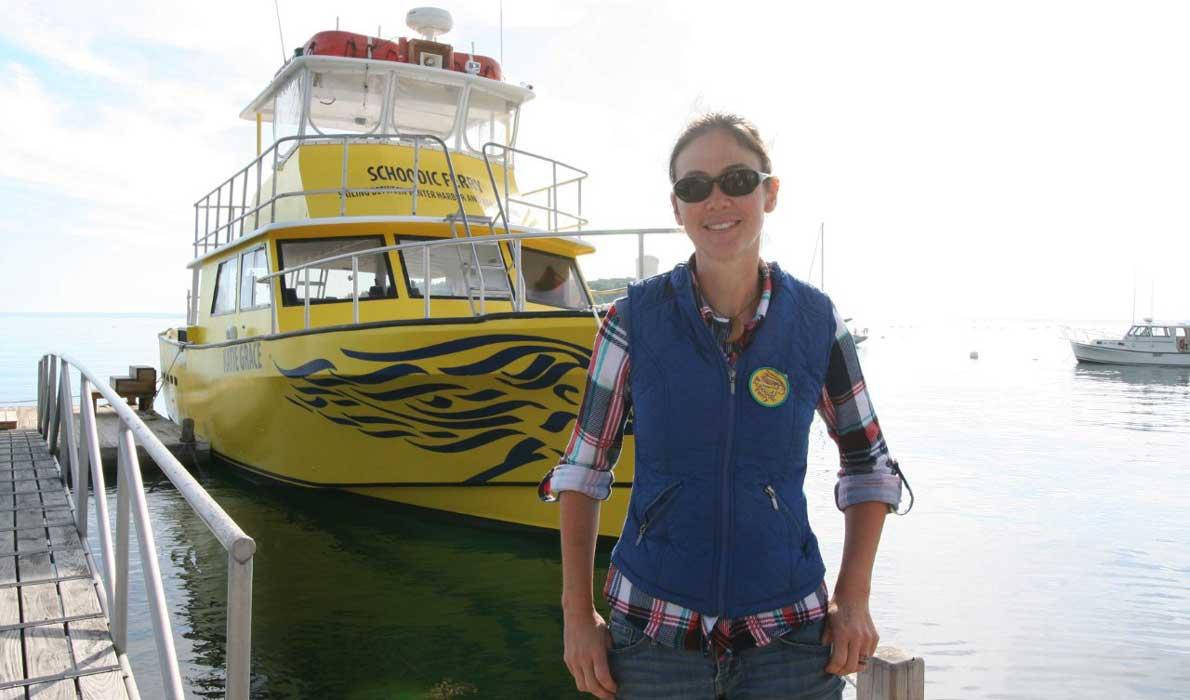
[
  {"x": 459, "y": 415},
  {"x": 1100, "y": 354}
]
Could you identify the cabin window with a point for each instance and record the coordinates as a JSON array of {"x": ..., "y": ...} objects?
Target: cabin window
[
  {"x": 1160, "y": 332},
  {"x": 331, "y": 282},
  {"x": 490, "y": 119},
  {"x": 254, "y": 292},
  {"x": 422, "y": 107},
  {"x": 346, "y": 101},
  {"x": 287, "y": 112},
  {"x": 225, "y": 288},
  {"x": 450, "y": 266},
  {"x": 553, "y": 280},
  {"x": 1142, "y": 332},
  {"x": 1181, "y": 332}
]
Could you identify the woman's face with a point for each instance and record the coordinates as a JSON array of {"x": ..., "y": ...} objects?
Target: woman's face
[{"x": 721, "y": 227}]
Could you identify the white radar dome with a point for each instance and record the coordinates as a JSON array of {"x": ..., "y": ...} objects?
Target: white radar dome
[{"x": 429, "y": 21}]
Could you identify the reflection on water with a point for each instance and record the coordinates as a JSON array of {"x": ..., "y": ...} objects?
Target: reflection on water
[
  {"x": 1140, "y": 376},
  {"x": 1046, "y": 556},
  {"x": 361, "y": 599},
  {"x": 1136, "y": 398}
]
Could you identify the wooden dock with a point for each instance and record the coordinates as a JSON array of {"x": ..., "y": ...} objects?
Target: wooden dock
[
  {"x": 55, "y": 641},
  {"x": 107, "y": 423}
]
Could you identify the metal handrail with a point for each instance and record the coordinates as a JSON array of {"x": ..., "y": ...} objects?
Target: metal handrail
[
  {"x": 84, "y": 464},
  {"x": 494, "y": 238},
  {"x": 552, "y": 189},
  {"x": 204, "y": 232}
]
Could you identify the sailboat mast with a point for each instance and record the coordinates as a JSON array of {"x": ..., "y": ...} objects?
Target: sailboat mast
[{"x": 822, "y": 260}]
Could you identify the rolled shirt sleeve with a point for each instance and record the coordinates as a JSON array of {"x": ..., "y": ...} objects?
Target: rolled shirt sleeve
[
  {"x": 594, "y": 447},
  {"x": 866, "y": 470}
]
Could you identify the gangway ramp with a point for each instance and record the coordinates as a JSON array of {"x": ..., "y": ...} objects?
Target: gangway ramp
[
  {"x": 64, "y": 609},
  {"x": 55, "y": 640}
]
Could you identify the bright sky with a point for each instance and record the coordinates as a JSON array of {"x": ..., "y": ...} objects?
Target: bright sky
[{"x": 1006, "y": 159}]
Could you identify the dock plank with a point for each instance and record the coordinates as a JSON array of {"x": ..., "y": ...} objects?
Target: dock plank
[
  {"x": 79, "y": 597},
  {"x": 93, "y": 649},
  {"x": 40, "y": 602},
  {"x": 6, "y": 668},
  {"x": 47, "y": 653},
  {"x": 64, "y": 536},
  {"x": 12, "y": 663},
  {"x": 71, "y": 562},
  {"x": 10, "y": 607},
  {"x": 102, "y": 686},
  {"x": 61, "y": 690}
]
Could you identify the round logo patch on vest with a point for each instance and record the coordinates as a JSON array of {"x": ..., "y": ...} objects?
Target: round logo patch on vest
[{"x": 769, "y": 387}]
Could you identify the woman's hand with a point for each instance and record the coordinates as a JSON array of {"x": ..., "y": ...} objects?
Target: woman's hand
[
  {"x": 587, "y": 641},
  {"x": 850, "y": 629}
]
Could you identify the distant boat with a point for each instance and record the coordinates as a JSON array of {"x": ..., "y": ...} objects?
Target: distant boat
[
  {"x": 1147, "y": 343},
  {"x": 856, "y": 334}
]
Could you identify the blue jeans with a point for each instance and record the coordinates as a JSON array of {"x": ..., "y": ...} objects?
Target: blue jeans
[{"x": 788, "y": 668}]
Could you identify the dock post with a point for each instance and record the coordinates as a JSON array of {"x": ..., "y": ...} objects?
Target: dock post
[
  {"x": 52, "y": 397},
  {"x": 119, "y": 608},
  {"x": 188, "y": 430},
  {"x": 69, "y": 444},
  {"x": 40, "y": 395},
  {"x": 239, "y": 619},
  {"x": 892, "y": 674},
  {"x": 82, "y": 450}
]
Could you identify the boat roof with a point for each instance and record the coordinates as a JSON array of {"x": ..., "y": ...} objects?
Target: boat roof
[
  {"x": 1148, "y": 322},
  {"x": 263, "y": 103}
]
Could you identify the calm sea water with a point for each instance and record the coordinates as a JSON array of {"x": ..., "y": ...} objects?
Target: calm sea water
[
  {"x": 1048, "y": 554},
  {"x": 107, "y": 344}
]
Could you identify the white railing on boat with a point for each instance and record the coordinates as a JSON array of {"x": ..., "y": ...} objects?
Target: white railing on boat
[
  {"x": 553, "y": 191},
  {"x": 80, "y": 449},
  {"x": 209, "y": 235},
  {"x": 219, "y": 219},
  {"x": 518, "y": 299}
]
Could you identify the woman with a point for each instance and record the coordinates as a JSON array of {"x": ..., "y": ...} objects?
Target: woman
[{"x": 716, "y": 586}]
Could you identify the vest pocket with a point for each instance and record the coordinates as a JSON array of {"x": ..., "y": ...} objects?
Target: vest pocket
[
  {"x": 656, "y": 508},
  {"x": 786, "y": 512}
]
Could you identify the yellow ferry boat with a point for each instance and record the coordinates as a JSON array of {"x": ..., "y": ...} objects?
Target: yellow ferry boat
[{"x": 387, "y": 300}]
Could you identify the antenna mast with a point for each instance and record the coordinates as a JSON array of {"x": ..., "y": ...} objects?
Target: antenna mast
[
  {"x": 814, "y": 256},
  {"x": 501, "y": 32},
  {"x": 280, "y": 34},
  {"x": 1134, "y": 293}
]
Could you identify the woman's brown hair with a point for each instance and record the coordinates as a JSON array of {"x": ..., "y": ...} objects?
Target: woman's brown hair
[{"x": 744, "y": 131}]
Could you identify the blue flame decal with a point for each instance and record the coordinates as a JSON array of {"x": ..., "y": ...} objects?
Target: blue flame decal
[{"x": 400, "y": 395}]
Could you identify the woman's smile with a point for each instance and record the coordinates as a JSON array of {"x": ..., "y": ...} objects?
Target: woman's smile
[{"x": 723, "y": 226}]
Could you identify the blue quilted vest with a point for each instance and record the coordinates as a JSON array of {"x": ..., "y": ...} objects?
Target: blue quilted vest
[{"x": 717, "y": 520}]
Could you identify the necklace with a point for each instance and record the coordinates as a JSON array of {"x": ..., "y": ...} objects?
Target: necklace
[{"x": 745, "y": 310}]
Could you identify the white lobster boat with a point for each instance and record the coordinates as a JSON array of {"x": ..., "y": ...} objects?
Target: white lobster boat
[{"x": 1147, "y": 343}]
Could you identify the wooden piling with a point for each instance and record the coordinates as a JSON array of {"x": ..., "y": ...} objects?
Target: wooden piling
[{"x": 892, "y": 674}]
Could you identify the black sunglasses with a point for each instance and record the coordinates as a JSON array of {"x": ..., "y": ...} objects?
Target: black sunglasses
[{"x": 733, "y": 183}]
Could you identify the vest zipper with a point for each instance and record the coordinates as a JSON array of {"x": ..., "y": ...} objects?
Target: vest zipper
[
  {"x": 724, "y": 539},
  {"x": 772, "y": 497}
]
